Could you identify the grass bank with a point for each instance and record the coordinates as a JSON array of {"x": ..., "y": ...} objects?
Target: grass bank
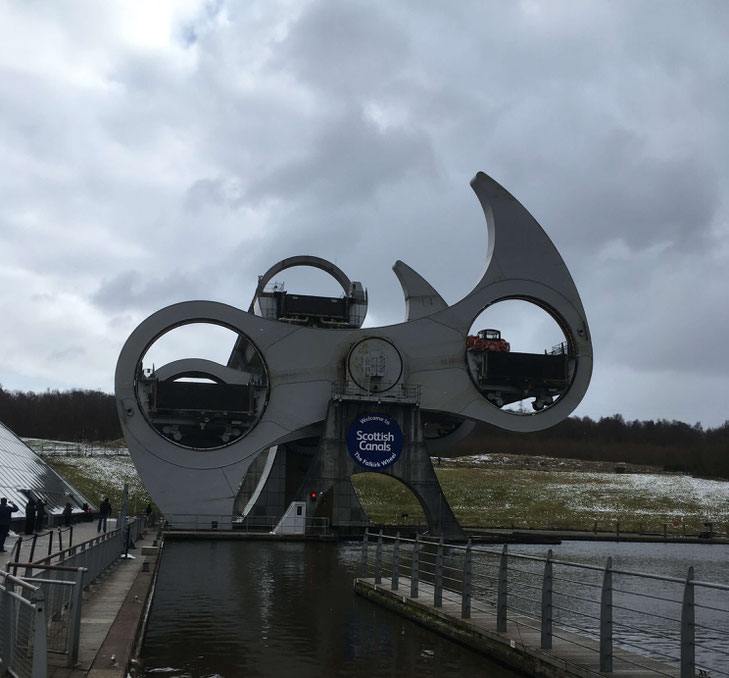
[
  {"x": 483, "y": 491},
  {"x": 579, "y": 500}
]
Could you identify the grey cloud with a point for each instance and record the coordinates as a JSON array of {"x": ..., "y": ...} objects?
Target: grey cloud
[
  {"x": 343, "y": 48},
  {"x": 136, "y": 175},
  {"x": 132, "y": 290},
  {"x": 349, "y": 160}
]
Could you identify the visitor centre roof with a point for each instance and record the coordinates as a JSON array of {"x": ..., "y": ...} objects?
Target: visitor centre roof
[{"x": 24, "y": 474}]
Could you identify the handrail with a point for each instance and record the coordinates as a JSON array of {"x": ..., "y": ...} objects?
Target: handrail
[
  {"x": 17, "y": 581},
  {"x": 560, "y": 599},
  {"x": 582, "y": 566}
]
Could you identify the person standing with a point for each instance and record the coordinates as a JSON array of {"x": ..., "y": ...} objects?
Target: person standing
[
  {"x": 30, "y": 516},
  {"x": 5, "y": 513},
  {"x": 104, "y": 513},
  {"x": 40, "y": 515},
  {"x": 67, "y": 512}
]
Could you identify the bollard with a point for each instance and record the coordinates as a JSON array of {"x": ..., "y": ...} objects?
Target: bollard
[{"x": 606, "y": 619}]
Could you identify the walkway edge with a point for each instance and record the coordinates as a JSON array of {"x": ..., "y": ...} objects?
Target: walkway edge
[
  {"x": 508, "y": 649},
  {"x": 496, "y": 648},
  {"x": 121, "y": 639}
]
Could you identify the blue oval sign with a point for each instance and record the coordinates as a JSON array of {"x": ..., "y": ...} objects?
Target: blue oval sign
[{"x": 374, "y": 441}]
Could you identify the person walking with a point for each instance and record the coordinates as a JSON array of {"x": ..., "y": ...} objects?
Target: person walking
[
  {"x": 5, "y": 513},
  {"x": 30, "y": 516},
  {"x": 40, "y": 515},
  {"x": 104, "y": 513}
]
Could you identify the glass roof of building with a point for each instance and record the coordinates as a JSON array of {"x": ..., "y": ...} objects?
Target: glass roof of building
[{"x": 23, "y": 474}]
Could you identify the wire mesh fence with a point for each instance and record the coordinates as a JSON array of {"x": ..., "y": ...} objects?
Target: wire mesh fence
[{"x": 23, "y": 651}]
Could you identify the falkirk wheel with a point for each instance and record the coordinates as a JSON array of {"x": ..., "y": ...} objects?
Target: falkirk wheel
[{"x": 309, "y": 398}]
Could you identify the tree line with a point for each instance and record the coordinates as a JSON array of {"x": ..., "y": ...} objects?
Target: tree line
[
  {"x": 75, "y": 415},
  {"x": 91, "y": 416},
  {"x": 672, "y": 445}
]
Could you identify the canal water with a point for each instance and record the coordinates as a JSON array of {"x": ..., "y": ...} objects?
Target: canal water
[{"x": 235, "y": 609}]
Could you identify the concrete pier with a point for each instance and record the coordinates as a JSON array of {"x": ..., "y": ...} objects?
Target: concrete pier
[{"x": 571, "y": 656}]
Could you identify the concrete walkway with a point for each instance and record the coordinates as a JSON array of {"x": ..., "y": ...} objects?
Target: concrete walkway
[{"x": 112, "y": 609}]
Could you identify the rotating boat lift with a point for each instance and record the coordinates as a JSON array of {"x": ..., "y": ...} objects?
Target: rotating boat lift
[{"x": 308, "y": 398}]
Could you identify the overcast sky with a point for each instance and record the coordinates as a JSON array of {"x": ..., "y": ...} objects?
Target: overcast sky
[{"x": 155, "y": 152}]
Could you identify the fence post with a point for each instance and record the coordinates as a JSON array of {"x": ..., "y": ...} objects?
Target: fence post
[
  {"x": 438, "y": 584},
  {"x": 32, "y": 548},
  {"x": 466, "y": 598},
  {"x": 547, "y": 603},
  {"x": 40, "y": 629},
  {"x": 395, "y": 581},
  {"x": 606, "y": 619},
  {"x": 364, "y": 553},
  {"x": 415, "y": 567},
  {"x": 50, "y": 542},
  {"x": 7, "y": 605},
  {"x": 501, "y": 592},
  {"x": 74, "y": 626},
  {"x": 17, "y": 549},
  {"x": 688, "y": 649},
  {"x": 378, "y": 560}
]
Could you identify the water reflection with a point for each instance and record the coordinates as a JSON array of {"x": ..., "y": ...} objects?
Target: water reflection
[{"x": 284, "y": 609}]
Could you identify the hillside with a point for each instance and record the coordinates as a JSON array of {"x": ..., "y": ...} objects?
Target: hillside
[{"x": 485, "y": 490}]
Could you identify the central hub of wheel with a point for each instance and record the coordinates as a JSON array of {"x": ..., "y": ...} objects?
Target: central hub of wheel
[{"x": 374, "y": 364}]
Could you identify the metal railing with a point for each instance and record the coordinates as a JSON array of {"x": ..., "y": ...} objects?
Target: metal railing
[
  {"x": 60, "y": 578},
  {"x": 23, "y": 652},
  {"x": 678, "y": 621},
  {"x": 210, "y": 521},
  {"x": 402, "y": 393},
  {"x": 38, "y": 537},
  {"x": 62, "y": 589}
]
